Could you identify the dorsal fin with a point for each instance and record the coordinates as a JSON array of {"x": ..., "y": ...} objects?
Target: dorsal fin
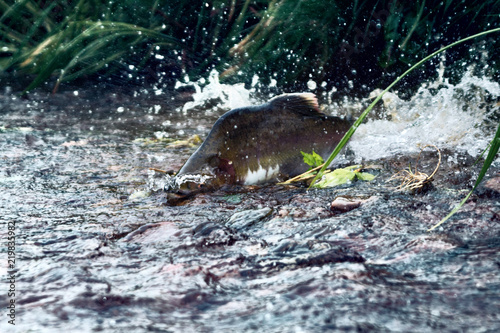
[{"x": 302, "y": 103}]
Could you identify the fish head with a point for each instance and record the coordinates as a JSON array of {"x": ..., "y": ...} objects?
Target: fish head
[
  {"x": 182, "y": 187},
  {"x": 208, "y": 173}
]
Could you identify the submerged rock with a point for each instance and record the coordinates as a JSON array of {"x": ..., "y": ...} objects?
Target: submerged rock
[{"x": 246, "y": 218}]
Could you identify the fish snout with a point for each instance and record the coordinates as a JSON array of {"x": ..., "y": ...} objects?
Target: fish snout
[{"x": 185, "y": 186}]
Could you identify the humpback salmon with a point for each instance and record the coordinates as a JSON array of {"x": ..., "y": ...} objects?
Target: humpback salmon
[{"x": 260, "y": 144}]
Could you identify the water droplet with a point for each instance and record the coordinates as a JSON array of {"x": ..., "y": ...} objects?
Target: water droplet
[{"x": 311, "y": 85}]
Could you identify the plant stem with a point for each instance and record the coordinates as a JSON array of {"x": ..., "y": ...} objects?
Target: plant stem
[{"x": 356, "y": 124}]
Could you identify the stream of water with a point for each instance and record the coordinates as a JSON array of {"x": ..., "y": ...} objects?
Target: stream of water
[{"x": 98, "y": 250}]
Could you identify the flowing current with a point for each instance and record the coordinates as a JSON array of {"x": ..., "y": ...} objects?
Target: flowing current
[{"x": 98, "y": 250}]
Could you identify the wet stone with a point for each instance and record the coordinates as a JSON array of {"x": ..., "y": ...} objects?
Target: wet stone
[
  {"x": 345, "y": 204},
  {"x": 211, "y": 234},
  {"x": 293, "y": 254},
  {"x": 331, "y": 256},
  {"x": 493, "y": 184},
  {"x": 153, "y": 233},
  {"x": 285, "y": 246},
  {"x": 247, "y": 218},
  {"x": 489, "y": 188}
]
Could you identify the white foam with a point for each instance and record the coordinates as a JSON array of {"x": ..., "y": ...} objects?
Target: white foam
[
  {"x": 261, "y": 175},
  {"x": 169, "y": 182},
  {"x": 443, "y": 114},
  {"x": 224, "y": 96}
]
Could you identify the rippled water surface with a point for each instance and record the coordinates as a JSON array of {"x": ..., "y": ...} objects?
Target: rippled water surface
[{"x": 97, "y": 250}]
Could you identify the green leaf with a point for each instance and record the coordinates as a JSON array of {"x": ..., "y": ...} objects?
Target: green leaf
[
  {"x": 335, "y": 178},
  {"x": 365, "y": 176},
  {"x": 313, "y": 160},
  {"x": 341, "y": 176}
]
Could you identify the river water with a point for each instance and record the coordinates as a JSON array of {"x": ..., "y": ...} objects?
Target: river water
[{"x": 98, "y": 249}]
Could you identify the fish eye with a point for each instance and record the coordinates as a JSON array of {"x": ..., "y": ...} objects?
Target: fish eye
[{"x": 214, "y": 161}]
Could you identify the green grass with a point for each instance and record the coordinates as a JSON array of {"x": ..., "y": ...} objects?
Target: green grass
[
  {"x": 291, "y": 41},
  {"x": 68, "y": 40}
]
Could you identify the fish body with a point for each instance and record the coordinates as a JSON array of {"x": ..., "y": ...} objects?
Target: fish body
[{"x": 260, "y": 144}]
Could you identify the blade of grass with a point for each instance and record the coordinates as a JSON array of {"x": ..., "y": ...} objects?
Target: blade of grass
[
  {"x": 97, "y": 37},
  {"x": 88, "y": 69},
  {"x": 414, "y": 26},
  {"x": 356, "y": 124},
  {"x": 11, "y": 8},
  {"x": 494, "y": 146}
]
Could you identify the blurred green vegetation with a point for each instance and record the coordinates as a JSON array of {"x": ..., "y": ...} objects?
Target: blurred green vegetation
[{"x": 342, "y": 43}]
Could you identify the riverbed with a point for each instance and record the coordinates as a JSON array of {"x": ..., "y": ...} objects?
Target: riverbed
[{"x": 99, "y": 249}]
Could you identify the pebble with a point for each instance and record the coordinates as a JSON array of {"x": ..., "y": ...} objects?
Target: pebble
[{"x": 345, "y": 204}]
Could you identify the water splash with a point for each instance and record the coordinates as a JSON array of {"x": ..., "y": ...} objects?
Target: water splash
[
  {"x": 173, "y": 183},
  {"x": 223, "y": 96},
  {"x": 443, "y": 114}
]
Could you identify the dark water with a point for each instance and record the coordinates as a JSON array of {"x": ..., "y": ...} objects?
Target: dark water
[{"x": 97, "y": 251}]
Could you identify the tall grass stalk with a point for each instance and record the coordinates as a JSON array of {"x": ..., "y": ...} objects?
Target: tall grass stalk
[{"x": 494, "y": 145}]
